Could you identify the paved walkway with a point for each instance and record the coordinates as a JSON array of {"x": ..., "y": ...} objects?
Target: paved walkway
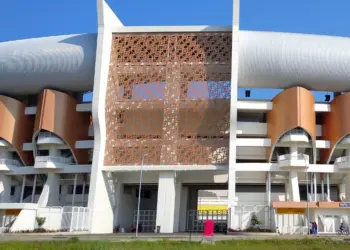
[{"x": 153, "y": 237}]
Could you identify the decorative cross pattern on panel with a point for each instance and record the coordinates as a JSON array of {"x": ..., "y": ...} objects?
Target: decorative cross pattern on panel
[{"x": 168, "y": 96}]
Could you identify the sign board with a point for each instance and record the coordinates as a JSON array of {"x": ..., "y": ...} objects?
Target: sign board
[
  {"x": 290, "y": 210},
  {"x": 344, "y": 204}
]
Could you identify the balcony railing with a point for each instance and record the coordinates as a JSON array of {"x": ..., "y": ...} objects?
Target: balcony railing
[
  {"x": 10, "y": 162},
  {"x": 43, "y": 135},
  {"x": 342, "y": 159},
  {"x": 290, "y": 157},
  {"x": 55, "y": 159}
]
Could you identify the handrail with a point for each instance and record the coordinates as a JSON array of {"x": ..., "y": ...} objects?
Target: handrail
[
  {"x": 293, "y": 157},
  {"x": 43, "y": 135},
  {"x": 342, "y": 159},
  {"x": 56, "y": 159}
]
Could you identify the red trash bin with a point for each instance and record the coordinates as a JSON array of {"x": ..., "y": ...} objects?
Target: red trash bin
[{"x": 208, "y": 228}]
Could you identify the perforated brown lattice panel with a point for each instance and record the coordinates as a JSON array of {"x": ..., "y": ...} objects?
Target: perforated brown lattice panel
[{"x": 168, "y": 97}]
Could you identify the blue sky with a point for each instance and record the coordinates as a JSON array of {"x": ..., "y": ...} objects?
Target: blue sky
[{"x": 25, "y": 19}]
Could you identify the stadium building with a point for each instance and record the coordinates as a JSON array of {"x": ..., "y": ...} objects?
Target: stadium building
[{"x": 165, "y": 110}]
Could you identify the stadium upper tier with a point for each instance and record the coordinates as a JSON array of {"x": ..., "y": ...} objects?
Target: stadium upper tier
[{"x": 266, "y": 60}]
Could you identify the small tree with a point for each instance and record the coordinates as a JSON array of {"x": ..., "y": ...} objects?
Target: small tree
[
  {"x": 40, "y": 221},
  {"x": 254, "y": 221}
]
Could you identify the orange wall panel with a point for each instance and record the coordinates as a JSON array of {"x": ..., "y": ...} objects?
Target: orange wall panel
[
  {"x": 336, "y": 124},
  {"x": 56, "y": 113},
  {"x": 292, "y": 108},
  {"x": 16, "y": 127}
]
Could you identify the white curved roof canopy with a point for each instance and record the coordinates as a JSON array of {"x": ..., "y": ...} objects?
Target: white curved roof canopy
[
  {"x": 267, "y": 60},
  {"x": 64, "y": 62},
  {"x": 282, "y": 60}
]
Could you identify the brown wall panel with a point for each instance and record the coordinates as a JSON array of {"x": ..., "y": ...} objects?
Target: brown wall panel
[
  {"x": 16, "y": 127},
  {"x": 56, "y": 113},
  {"x": 168, "y": 97},
  {"x": 292, "y": 108},
  {"x": 336, "y": 124}
]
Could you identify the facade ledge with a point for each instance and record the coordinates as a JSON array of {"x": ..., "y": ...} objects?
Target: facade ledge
[
  {"x": 133, "y": 168},
  {"x": 30, "y": 206}
]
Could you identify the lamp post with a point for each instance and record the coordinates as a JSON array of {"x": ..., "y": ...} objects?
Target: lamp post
[{"x": 139, "y": 197}]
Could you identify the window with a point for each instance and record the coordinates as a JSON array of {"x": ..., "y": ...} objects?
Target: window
[
  {"x": 43, "y": 153},
  {"x": 145, "y": 193},
  {"x": 78, "y": 189}
]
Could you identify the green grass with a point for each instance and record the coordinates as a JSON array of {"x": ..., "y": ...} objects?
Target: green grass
[{"x": 311, "y": 244}]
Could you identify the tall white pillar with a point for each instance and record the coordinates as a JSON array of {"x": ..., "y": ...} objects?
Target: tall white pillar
[
  {"x": 322, "y": 187},
  {"x": 183, "y": 209},
  {"x": 5, "y": 188},
  {"x": 315, "y": 187},
  {"x": 53, "y": 151},
  {"x": 74, "y": 189},
  {"x": 51, "y": 191},
  {"x": 268, "y": 200},
  {"x": 168, "y": 204},
  {"x": 328, "y": 189},
  {"x": 23, "y": 187},
  {"x": 233, "y": 117},
  {"x": 34, "y": 187},
  {"x": 294, "y": 186},
  {"x": 347, "y": 188}
]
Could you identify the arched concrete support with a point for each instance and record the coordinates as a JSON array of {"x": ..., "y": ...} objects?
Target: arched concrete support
[
  {"x": 16, "y": 127},
  {"x": 50, "y": 195},
  {"x": 336, "y": 125},
  {"x": 293, "y": 108},
  {"x": 56, "y": 113}
]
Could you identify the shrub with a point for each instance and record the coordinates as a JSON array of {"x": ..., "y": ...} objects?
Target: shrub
[
  {"x": 40, "y": 221},
  {"x": 254, "y": 221}
]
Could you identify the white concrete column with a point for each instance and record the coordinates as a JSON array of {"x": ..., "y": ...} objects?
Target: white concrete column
[
  {"x": 268, "y": 199},
  {"x": 315, "y": 187},
  {"x": 5, "y": 188},
  {"x": 233, "y": 117},
  {"x": 294, "y": 186},
  {"x": 167, "y": 209},
  {"x": 22, "y": 189},
  {"x": 34, "y": 187},
  {"x": 50, "y": 194},
  {"x": 74, "y": 189},
  {"x": 294, "y": 151},
  {"x": 53, "y": 151},
  {"x": 100, "y": 203},
  {"x": 83, "y": 194},
  {"x": 183, "y": 209},
  {"x": 17, "y": 196},
  {"x": 118, "y": 192},
  {"x": 328, "y": 189},
  {"x": 347, "y": 188},
  {"x": 63, "y": 194},
  {"x": 322, "y": 187}
]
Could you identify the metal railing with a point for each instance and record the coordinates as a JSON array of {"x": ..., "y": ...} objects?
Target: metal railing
[
  {"x": 11, "y": 162},
  {"x": 287, "y": 157},
  {"x": 342, "y": 159},
  {"x": 55, "y": 159},
  {"x": 66, "y": 219},
  {"x": 43, "y": 135}
]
